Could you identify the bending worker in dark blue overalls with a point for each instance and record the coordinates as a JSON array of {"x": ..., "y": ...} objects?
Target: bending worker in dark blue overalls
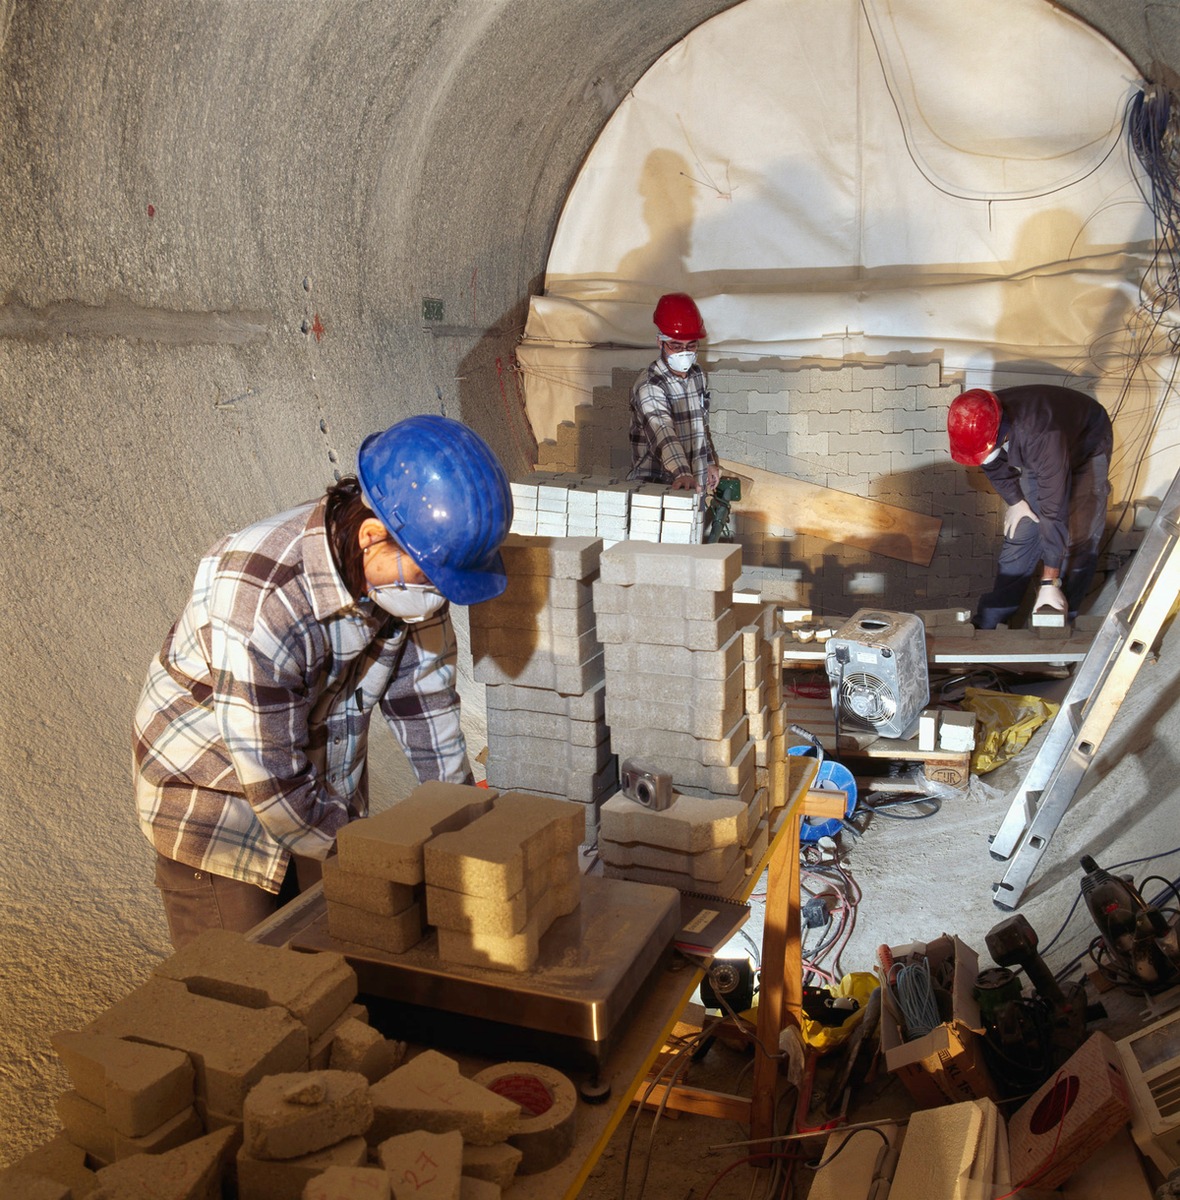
[{"x": 1046, "y": 451}]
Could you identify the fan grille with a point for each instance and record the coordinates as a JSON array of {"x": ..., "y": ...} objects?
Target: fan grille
[{"x": 868, "y": 698}]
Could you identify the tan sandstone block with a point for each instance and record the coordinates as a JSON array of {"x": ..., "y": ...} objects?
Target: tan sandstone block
[
  {"x": 281, "y": 1179},
  {"x": 496, "y": 1164},
  {"x": 394, "y": 935},
  {"x": 287, "y": 1116},
  {"x": 88, "y": 1127},
  {"x": 424, "y": 1165},
  {"x": 359, "y": 1047},
  {"x": 193, "y": 1171},
  {"x": 374, "y": 895},
  {"x": 349, "y": 1183},
  {"x": 690, "y": 824},
  {"x": 58, "y": 1160},
  {"x": 220, "y": 964}
]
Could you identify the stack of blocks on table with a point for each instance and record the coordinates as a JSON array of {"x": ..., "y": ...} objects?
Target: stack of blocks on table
[
  {"x": 249, "y": 1070},
  {"x": 692, "y": 690},
  {"x": 554, "y": 504},
  {"x": 537, "y": 650},
  {"x": 490, "y": 872}
]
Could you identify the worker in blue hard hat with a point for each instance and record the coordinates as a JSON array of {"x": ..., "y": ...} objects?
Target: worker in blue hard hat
[{"x": 251, "y": 732}]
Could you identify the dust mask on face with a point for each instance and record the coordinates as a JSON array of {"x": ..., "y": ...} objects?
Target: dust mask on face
[
  {"x": 409, "y": 602},
  {"x": 682, "y": 360}
]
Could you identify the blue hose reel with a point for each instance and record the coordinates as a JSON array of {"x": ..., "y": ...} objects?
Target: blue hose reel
[{"x": 831, "y": 777}]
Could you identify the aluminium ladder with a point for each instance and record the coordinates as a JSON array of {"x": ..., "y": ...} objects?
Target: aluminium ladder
[{"x": 1142, "y": 605}]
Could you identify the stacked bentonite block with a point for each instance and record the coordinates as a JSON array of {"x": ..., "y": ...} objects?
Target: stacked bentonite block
[
  {"x": 240, "y": 1068},
  {"x": 536, "y": 648},
  {"x": 691, "y": 689},
  {"x": 554, "y": 504}
]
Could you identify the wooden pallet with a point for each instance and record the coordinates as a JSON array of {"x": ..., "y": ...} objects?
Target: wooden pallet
[{"x": 876, "y": 762}]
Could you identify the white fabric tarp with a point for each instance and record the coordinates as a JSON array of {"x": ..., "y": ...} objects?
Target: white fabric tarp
[{"x": 838, "y": 178}]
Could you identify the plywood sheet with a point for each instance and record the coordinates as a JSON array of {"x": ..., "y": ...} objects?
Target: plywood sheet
[{"x": 769, "y": 499}]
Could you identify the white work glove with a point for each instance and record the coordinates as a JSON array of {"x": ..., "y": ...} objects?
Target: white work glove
[
  {"x": 1050, "y": 597},
  {"x": 1015, "y": 514}
]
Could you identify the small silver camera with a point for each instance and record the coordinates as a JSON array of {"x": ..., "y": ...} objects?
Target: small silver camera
[{"x": 645, "y": 785}]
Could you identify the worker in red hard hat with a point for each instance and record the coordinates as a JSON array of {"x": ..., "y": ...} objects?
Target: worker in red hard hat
[
  {"x": 251, "y": 733},
  {"x": 670, "y": 440},
  {"x": 1046, "y": 451}
]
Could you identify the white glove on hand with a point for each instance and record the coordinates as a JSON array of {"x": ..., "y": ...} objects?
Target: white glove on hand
[
  {"x": 1050, "y": 596},
  {"x": 1015, "y": 514}
]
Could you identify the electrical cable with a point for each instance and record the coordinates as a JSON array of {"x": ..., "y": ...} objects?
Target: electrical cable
[{"x": 915, "y": 995}]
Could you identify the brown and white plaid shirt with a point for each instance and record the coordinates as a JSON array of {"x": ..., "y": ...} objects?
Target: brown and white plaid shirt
[
  {"x": 251, "y": 732},
  {"x": 670, "y": 425}
]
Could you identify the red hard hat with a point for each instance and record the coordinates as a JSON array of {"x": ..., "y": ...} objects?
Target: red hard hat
[
  {"x": 972, "y": 424},
  {"x": 678, "y": 317}
]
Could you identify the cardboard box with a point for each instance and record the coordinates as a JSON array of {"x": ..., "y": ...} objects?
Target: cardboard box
[
  {"x": 1080, "y": 1108},
  {"x": 946, "y": 1065}
]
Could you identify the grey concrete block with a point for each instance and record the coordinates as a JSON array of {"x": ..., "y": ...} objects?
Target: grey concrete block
[
  {"x": 640, "y": 658},
  {"x": 533, "y": 592},
  {"x": 578, "y": 786},
  {"x": 527, "y": 625},
  {"x": 709, "y": 866},
  {"x": 728, "y": 779},
  {"x": 540, "y": 671},
  {"x": 659, "y": 601},
  {"x": 682, "y": 879},
  {"x": 703, "y": 708},
  {"x": 581, "y": 706},
  {"x": 653, "y": 745},
  {"x": 522, "y": 723},
  {"x": 534, "y": 751},
  {"x": 616, "y": 628},
  {"x": 714, "y": 567},
  {"x": 557, "y": 557}
]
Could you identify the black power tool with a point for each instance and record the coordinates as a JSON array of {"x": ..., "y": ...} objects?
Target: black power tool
[{"x": 1142, "y": 949}]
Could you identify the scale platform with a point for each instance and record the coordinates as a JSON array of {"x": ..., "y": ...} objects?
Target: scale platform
[{"x": 570, "y": 1007}]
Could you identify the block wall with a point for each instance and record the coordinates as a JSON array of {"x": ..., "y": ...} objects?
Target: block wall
[{"x": 875, "y": 430}]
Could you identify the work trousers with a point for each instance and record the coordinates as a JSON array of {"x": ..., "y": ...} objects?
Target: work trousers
[
  {"x": 1021, "y": 555},
  {"x": 196, "y": 900}
]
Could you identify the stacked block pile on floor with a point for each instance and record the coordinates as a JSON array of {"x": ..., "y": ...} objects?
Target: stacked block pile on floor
[
  {"x": 691, "y": 685},
  {"x": 536, "y": 648},
  {"x": 237, "y": 1069},
  {"x": 554, "y": 504}
]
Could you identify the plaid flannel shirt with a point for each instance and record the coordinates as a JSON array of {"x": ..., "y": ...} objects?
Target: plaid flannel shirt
[
  {"x": 670, "y": 425},
  {"x": 251, "y": 732}
]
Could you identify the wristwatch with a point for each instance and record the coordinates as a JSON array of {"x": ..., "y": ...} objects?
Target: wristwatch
[{"x": 1054, "y": 582}]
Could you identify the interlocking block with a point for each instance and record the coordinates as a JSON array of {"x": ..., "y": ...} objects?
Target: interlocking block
[
  {"x": 17, "y": 1184},
  {"x": 349, "y": 1183},
  {"x": 562, "y": 650},
  {"x": 192, "y": 1171},
  {"x": 652, "y": 745},
  {"x": 540, "y": 671},
  {"x": 652, "y": 687},
  {"x": 464, "y": 913},
  {"x": 614, "y": 628},
  {"x": 136, "y": 1086},
  {"x": 220, "y": 964},
  {"x": 708, "y": 866},
  {"x": 532, "y": 594},
  {"x": 656, "y": 602},
  {"x": 429, "y": 1093},
  {"x": 231, "y": 1047},
  {"x": 394, "y": 935},
  {"x": 517, "y": 951},
  {"x": 683, "y": 880},
  {"x": 581, "y": 706},
  {"x": 729, "y": 779},
  {"x": 640, "y": 658},
  {"x": 576, "y": 786},
  {"x": 320, "y": 1051},
  {"x": 425, "y": 1165},
  {"x": 357, "y": 1046},
  {"x": 712, "y": 568},
  {"x": 495, "y": 854},
  {"x": 691, "y": 824},
  {"x": 502, "y": 724},
  {"x": 289, "y": 1115},
  {"x": 491, "y": 621},
  {"x": 388, "y": 845},
  {"x": 281, "y": 1179},
  {"x": 556, "y": 557},
  {"x": 706, "y": 718},
  {"x": 88, "y": 1127},
  {"x": 553, "y": 752},
  {"x": 379, "y": 896},
  {"x": 492, "y": 1164}
]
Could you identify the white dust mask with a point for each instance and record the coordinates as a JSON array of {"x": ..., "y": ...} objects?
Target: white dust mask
[
  {"x": 682, "y": 360},
  {"x": 409, "y": 602}
]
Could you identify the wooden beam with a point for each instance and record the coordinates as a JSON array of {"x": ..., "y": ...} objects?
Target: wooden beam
[
  {"x": 695, "y": 1100},
  {"x": 769, "y": 499}
]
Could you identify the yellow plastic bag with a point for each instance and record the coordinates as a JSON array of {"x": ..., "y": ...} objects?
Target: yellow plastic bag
[
  {"x": 860, "y": 986},
  {"x": 1006, "y": 723}
]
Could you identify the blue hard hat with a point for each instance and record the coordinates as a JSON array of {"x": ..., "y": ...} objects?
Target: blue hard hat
[{"x": 442, "y": 494}]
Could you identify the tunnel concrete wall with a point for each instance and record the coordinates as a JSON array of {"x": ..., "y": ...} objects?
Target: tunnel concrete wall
[{"x": 219, "y": 223}]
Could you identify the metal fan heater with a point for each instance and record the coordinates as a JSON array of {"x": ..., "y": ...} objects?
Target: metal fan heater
[{"x": 876, "y": 664}]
